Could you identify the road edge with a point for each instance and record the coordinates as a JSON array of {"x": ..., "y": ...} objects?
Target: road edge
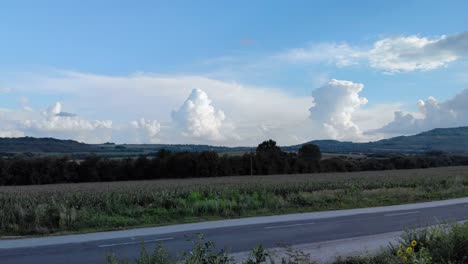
[{"x": 160, "y": 230}]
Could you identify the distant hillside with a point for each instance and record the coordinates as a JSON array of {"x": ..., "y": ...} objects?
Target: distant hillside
[
  {"x": 51, "y": 146},
  {"x": 452, "y": 140},
  {"x": 45, "y": 145}
]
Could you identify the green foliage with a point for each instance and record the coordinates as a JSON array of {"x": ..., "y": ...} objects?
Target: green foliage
[
  {"x": 439, "y": 244},
  {"x": 435, "y": 245},
  {"x": 204, "y": 252},
  {"x": 258, "y": 255},
  {"x": 159, "y": 256}
]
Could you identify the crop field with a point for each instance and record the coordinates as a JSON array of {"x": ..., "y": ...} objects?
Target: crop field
[{"x": 63, "y": 208}]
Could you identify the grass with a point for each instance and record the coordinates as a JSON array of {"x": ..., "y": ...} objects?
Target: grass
[{"x": 64, "y": 208}]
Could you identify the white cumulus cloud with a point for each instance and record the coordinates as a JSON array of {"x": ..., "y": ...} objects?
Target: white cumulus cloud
[
  {"x": 431, "y": 114},
  {"x": 198, "y": 118},
  {"x": 136, "y": 95},
  {"x": 334, "y": 106},
  {"x": 147, "y": 130},
  {"x": 390, "y": 55},
  {"x": 54, "y": 122},
  {"x": 250, "y": 114},
  {"x": 54, "y": 109},
  {"x": 411, "y": 53}
]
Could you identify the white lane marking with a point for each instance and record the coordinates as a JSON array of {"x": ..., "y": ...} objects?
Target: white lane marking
[
  {"x": 136, "y": 242},
  {"x": 281, "y": 226},
  {"x": 406, "y": 213}
]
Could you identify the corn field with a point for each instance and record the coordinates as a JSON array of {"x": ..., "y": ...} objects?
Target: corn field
[{"x": 63, "y": 208}]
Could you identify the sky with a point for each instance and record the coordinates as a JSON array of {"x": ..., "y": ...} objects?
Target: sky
[{"x": 231, "y": 72}]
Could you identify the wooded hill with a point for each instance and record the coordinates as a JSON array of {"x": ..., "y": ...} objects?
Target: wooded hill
[{"x": 450, "y": 140}]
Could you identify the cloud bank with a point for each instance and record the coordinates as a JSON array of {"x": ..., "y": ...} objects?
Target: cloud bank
[
  {"x": 411, "y": 53},
  {"x": 53, "y": 122},
  {"x": 147, "y": 131},
  {"x": 390, "y": 55},
  {"x": 216, "y": 112},
  {"x": 226, "y": 113},
  {"x": 432, "y": 114}
]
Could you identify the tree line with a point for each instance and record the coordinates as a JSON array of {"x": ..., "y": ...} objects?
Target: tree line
[{"x": 267, "y": 159}]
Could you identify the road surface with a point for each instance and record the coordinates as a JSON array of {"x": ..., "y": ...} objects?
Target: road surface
[{"x": 236, "y": 235}]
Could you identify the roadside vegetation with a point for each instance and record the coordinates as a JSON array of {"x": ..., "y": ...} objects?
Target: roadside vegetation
[
  {"x": 205, "y": 252},
  {"x": 59, "y": 208},
  {"x": 437, "y": 245}
]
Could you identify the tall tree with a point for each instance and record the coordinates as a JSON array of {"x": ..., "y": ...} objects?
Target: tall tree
[
  {"x": 268, "y": 158},
  {"x": 207, "y": 164},
  {"x": 268, "y": 146},
  {"x": 310, "y": 153}
]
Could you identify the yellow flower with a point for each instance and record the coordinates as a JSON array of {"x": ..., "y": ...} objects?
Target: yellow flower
[
  {"x": 404, "y": 258},
  {"x": 409, "y": 250},
  {"x": 414, "y": 243},
  {"x": 399, "y": 253}
]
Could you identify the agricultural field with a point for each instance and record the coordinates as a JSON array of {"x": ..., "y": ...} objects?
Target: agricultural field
[{"x": 83, "y": 207}]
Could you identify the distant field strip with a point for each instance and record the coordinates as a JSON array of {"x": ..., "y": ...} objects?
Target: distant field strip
[{"x": 44, "y": 209}]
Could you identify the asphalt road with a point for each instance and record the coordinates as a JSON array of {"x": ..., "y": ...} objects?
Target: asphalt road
[{"x": 318, "y": 227}]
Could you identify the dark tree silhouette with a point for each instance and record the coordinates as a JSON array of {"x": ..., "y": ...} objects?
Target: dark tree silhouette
[
  {"x": 268, "y": 146},
  {"x": 268, "y": 159},
  {"x": 310, "y": 153}
]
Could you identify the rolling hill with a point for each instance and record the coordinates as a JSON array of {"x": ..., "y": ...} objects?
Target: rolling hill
[{"x": 451, "y": 140}]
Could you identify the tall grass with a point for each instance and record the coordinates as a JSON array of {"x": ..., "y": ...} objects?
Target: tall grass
[{"x": 30, "y": 210}]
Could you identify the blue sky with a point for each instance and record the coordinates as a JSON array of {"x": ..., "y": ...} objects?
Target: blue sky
[{"x": 245, "y": 43}]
